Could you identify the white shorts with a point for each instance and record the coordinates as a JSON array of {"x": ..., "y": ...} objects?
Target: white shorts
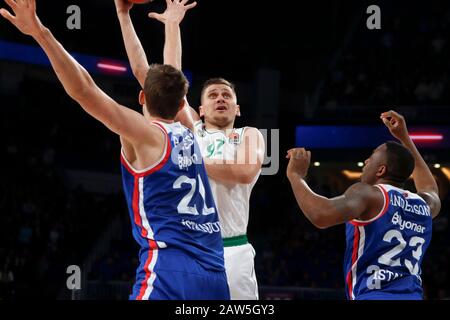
[{"x": 240, "y": 269}]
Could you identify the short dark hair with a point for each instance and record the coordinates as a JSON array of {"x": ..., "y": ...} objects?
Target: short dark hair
[
  {"x": 165, "y": 88},
  {"x": 213, "y": 81},
  {"x": 400, "y": 162}
]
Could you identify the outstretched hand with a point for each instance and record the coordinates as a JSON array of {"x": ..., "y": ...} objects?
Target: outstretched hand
[
  {"x": 24, "y": 18},
  {"x": 175, "y": 11},
  {"x": 299, "y": 160},
  {"x": 396, "y": 124}
]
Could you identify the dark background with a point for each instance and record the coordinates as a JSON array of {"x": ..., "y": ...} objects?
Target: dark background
[{"x": 307, "y": 62}]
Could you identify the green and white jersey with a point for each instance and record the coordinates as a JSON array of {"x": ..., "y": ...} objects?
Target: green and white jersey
[{"x": 232, "y": 200}]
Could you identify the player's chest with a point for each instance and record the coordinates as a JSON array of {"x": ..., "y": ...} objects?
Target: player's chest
[{"x": 218, "y": 145}]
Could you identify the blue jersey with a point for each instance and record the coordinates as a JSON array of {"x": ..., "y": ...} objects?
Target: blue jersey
[
  {"x": 384, "y": 255},
  {"x": 174, "y": 219}
]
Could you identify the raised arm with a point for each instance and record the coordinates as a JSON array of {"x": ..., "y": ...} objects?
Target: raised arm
[
  {"x": 358, "y": 200},
  {"x": 424, "y": 181},
  {"x": 246, "y": 166},
  {"x": 135, "y": 51},
  {"x": 172, "y": 18},
  {"x": 76, "y": 81}
]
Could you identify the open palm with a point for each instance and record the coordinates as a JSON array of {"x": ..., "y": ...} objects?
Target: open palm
[
  {"x": 175, "y": 11},
  {"x": 24, "y": 18}
]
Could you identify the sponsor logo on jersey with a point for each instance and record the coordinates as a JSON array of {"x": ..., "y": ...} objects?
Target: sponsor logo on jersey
[
  {"x": 234, "y": 138},
  {"x": 405, "y": 224},
  {"x": 209, "y": 227}
]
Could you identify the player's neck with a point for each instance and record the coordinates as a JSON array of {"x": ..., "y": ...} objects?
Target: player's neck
[
  {"x": 391, "y": 182},
  {"x": 210, "y": 126},
  {"x": 151, "y": 119}
]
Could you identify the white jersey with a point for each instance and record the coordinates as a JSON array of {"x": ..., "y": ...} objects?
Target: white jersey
[{"x": 232, "y": 200}]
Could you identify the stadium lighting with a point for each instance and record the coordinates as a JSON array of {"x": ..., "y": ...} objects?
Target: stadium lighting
[
  {"x": 111, "y": 67},
  {"x": 446, "y": 172},
  {"x": 351, "y": 174},
  {"x": 426, "y": 137}
]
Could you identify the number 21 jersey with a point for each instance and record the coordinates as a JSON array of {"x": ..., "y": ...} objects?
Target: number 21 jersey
[{"x": 172, "y": 208}]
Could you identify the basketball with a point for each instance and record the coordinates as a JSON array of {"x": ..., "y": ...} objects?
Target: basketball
[{"x": 140, "y": 1}]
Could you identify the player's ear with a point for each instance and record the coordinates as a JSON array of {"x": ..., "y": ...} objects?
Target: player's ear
[
  {"x": 182, "y": 104},
  {"x": 381, "y": 171},
  {"x": 238, "y": 110},
  {"x": 141, "y": 98},
  {"x": 201, "y": 112}
]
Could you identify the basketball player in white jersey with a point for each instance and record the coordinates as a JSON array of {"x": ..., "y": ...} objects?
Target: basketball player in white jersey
[{"x": 233, "y": 156}]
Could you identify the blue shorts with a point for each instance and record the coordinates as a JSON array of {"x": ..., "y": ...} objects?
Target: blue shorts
[
  {"x": 176, "y": 276},
  {"x": 389, "y": 296}
]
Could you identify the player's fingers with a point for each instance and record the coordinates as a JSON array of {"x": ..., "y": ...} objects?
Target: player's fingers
[
  {"x": 12, "y": 4},
  {"x": 392, "y": 114},
  {"x": 308, "y": 154},
  {"x": 190, "y": 6},
  {"x": 290, "y": 150},
  {"x": 298, "y": 153},
  {"x": 156, "y": 16},
  {"x": 386, "y": 122},
  {"x": 8, "y": 16},
  {"x": 394, "y": 122},
  {"x": 387, "y": 114}
]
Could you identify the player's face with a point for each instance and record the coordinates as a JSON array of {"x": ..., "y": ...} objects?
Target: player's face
[
  {"x": 219, "y": 105},
  {"x": 374, "y": 166}
]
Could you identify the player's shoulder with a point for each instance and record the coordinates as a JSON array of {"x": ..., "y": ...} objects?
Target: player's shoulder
[
  {"x": 183, "y": 127},
  {"x": 432, "y": 199},
  {"x": 249, "y": 132},
  {"x": 364, "y": 190},
  {"x": 199, "y": 127},
  {"x": 247, "y": 128}
]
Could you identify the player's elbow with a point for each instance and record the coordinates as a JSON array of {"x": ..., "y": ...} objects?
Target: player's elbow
[
  {"x": 321, "y": 225},
  {"x": 435, "y": 208},
  {"x": 246, "y": 177},
  {"x": 319, "y": 221},
  {"x": 83, "y": 91},
  {"x": 245, "y": 180},
  {"x": 140, "y": 73},
  {"x": 80, "y": 94}
]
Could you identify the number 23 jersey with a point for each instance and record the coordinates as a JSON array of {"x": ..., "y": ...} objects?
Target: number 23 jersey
[{"x": 384, "y": 255}]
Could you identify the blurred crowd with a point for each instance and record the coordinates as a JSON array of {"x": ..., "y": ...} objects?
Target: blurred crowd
[{"x": 405, "y": 63}]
